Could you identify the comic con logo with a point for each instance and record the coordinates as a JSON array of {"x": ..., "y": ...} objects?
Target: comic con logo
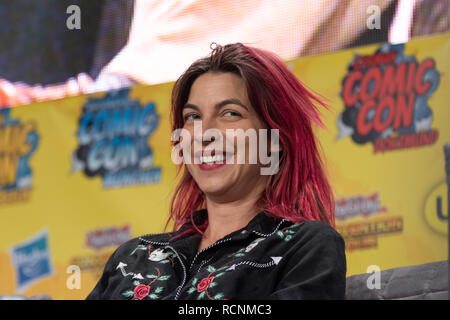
[
  {"x": 386, "y": 100},
  {"x": 18, "y": 142},
  {"x": 113, "y": 137}
]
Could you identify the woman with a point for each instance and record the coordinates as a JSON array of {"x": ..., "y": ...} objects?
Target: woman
[{"x": 239, "y": 234}]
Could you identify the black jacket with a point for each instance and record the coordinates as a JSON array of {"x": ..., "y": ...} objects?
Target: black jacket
[{"x": 270, "y": 258}]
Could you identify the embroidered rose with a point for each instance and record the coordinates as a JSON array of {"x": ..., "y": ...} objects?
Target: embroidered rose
[
  {"x": 141, "y": 291},
  {"x": 204, "y": 284}
]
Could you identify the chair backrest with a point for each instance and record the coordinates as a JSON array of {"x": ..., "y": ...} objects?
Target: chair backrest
[{"x": 425, "y": 281}]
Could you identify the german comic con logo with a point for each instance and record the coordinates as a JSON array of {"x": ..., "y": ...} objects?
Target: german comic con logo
[
  {"x": 386, "y": 99},
  {"x": 113, "y": 137},
  {"x": 31, "y": 261},
  {"x": 18, "y": 142}
]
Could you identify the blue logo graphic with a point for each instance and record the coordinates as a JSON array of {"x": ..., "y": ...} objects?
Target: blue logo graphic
[
  {"x": 18, "y": 142},
  {"x": 31, "y": 261},
  {"x": 113, "y": 136}
]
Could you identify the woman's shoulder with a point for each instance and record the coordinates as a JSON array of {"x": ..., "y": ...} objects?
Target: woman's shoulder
[
  {"x": 309, "y": 242},
  {"x": 311, "y": 231},
  {"x": 143, "y": 242}
]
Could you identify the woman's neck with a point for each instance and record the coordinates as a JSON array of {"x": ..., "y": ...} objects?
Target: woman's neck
[{"x": 225, "y": 218}]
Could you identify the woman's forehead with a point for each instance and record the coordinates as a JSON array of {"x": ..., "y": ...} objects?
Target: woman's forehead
[{"x": 214, "y": 86}]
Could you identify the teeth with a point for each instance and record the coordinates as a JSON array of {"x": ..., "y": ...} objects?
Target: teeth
[{"x": 210, "y": 159}]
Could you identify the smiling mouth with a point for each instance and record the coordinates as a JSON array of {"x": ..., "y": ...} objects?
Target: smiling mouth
[{"x": 212, "y": 160}]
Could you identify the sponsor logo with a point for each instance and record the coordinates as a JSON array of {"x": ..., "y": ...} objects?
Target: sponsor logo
[
  {"x": 436, "y": 209},
  {"x": 386, "y": 99},
  {"x": 18, "y": 142},
  {"x": 363, "y": 234},
  {"x": 103, "y": 238},
  {"x": 94, "y": 263},
  {"x": 113, "y": 137},
  {"x": 358, "y": 206},
  {"x": 31, "y": 261}
]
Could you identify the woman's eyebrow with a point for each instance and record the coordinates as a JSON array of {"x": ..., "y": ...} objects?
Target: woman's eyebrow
[
  {"x": 231, "y": 101},
  {"x": 190, "y": 106},
  {"x": 218, "y": 105}
]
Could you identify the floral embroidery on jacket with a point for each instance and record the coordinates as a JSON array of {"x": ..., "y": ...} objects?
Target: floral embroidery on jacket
[
  {"x": 201, "y": 287},
  {"x": 287, "y": 233},
  {"x": 157, "y": 255},
  {"x": 204, "y": 284},
  {"x": 142, "y": 291}
]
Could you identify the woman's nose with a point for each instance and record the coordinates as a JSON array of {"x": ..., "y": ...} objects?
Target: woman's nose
[{"x": 206, "y": 132}]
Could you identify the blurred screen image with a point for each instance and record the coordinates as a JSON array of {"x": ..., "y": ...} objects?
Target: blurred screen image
[{"x": 124, "y": 42}]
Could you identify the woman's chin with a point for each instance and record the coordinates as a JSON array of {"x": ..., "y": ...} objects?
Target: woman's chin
[
  {"x": 213, "y": 189},
  {"x": 216, "y": 186},
  {"x": 215, "y": 181}
]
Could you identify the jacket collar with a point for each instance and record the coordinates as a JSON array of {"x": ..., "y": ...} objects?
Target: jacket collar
[{"x": 263, "y": 224}]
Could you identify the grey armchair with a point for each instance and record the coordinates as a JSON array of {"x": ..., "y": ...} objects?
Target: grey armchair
[{"x": 421, "y": 282}]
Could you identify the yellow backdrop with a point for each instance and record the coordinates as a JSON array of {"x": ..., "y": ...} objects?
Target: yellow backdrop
[{"x": 80, "y": 175}]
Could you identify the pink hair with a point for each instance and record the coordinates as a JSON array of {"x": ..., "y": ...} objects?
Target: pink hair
[{"x": 300, "y": 190}]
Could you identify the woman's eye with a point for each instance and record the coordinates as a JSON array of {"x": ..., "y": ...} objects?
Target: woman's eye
[
  {"x": 231, "y": 114},
  {"x": 191, "y": 116}
]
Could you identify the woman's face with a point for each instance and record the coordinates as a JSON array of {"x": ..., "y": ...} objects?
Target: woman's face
[{"x": 219, "y": 101}]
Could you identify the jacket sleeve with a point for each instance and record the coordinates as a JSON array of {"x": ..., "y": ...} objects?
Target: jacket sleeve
[
  {"x": 98, "y": 293},
  {"x": 315, "y": 265}
]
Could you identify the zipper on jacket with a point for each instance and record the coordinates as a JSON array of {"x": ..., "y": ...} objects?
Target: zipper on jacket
[
  {"x": 203, "y": 263},
  {"x": 211, "y": 246},
  {"x": 229, "y": 238},
  {"x": 166, "y": 244},
  {"x": 184, "y": 272}
]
